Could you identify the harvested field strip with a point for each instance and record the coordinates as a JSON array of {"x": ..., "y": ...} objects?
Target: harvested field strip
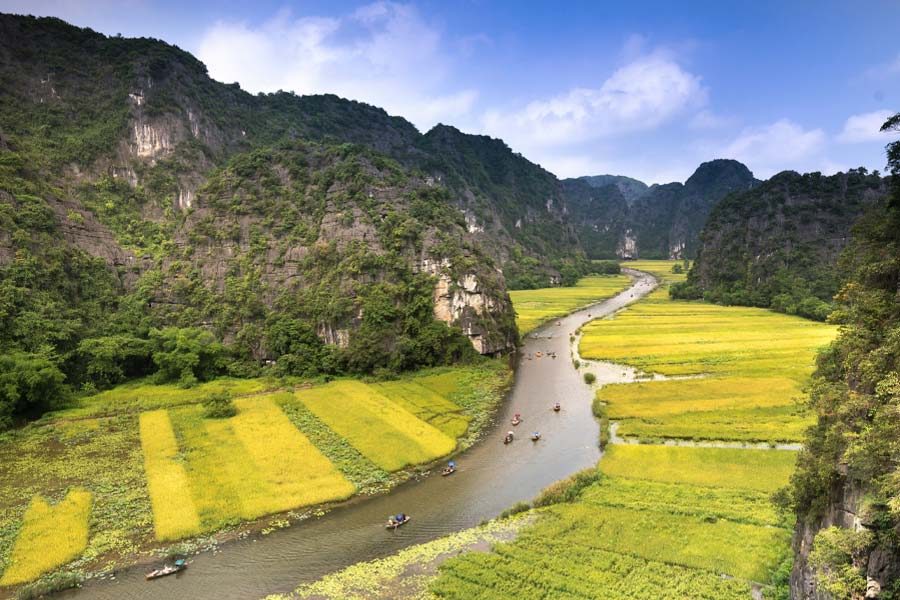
[
  {"x": 384, "y": 432},
  {"x": 535, "y": 307},
  {"x": 50, "y": 537},
  {"x": 174, "y": 514},
  {"x": 760, "y": 470},
  {"x": 426, "y": 405}
]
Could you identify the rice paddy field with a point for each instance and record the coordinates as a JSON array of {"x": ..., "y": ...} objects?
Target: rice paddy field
[
  {"x": 660, "y": 523},
  {"x": 751, "y": 363},
  {"x": 133, "y": 469},
  {"x": 536, "y": 307}
]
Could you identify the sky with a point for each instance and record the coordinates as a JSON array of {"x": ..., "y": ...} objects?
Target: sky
[{"x": 644, "y": 89}]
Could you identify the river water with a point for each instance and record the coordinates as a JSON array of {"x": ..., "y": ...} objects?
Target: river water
[{"x": 491, "y": 477}]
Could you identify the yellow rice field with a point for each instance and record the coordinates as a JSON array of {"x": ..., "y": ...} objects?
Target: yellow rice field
[
  {"x": 689, "y": 338},
  {"x": 382, "y": 430},
  {"x": 535, "y": 307},
  {"x": 174, "y": 514},
  {"x": 154, "y": 467},
  {"x": 759, "y": 470},
  {"x": 253, "y": 464},
  {"x": 50, "y": 536},
  {"x": 754, "y": 363},
  {"x": 427, "y": 405}
]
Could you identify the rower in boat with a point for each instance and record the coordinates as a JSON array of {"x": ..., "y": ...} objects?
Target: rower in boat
[
  {"x": 509, "y": 437},
  {"x": 516, "y": 419},
  {"x": 557, "y": 407},
  {"x": 179, "y": 565},
  {"x": 395, "y": 521},
  {"x": 535, "y": 436},
  {"x": 450, "y": 469}
]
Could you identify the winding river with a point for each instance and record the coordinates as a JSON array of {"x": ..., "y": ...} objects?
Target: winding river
[{"x": 491, "y": 478}]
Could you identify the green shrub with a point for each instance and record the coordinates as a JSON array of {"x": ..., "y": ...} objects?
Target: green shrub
[
  {"x": 607, "y": 267},
  {"x": 219, "y": 406},
  {"x": 518, "y": 507},
  {"x": 590, "y": 378},
  {"x": 569, "y": 489}
]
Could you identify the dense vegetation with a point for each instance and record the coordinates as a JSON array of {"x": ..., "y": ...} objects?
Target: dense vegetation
[
  {"x": 776, "y": 245},
  {"x": 851, "y": 456}
]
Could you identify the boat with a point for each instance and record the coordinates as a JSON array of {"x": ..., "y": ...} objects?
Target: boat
[
  {"x": 515, "y": 422},
  {"x": 535, "y": 436},
  {"x": 509, "y": 438},
  {"x": 394, "y": 523},
  {"x": 556, "y": 407},
  {"x": 179, "y": 565},
  {"x": 450, "y": 469}
]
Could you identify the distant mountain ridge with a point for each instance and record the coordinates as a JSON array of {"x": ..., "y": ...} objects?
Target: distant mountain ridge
[
  {"x": 664, "y": 221},
  {"x": 631, "y": 188}
]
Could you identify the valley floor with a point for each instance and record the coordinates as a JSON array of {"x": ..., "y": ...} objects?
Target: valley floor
[
  {"x": 657, "y": 519},
  {"x": 125, "y": 473}
]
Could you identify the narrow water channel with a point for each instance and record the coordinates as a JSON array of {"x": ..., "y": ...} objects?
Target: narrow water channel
[{"x": 491, "y": 478}]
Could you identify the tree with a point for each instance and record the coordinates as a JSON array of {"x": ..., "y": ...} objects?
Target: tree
[
  {"x": 186, "y": 355},
  {"x": 29, "y": 385}
]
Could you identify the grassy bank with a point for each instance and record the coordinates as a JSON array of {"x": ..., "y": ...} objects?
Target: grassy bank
[{"x": 123, "y": 473}]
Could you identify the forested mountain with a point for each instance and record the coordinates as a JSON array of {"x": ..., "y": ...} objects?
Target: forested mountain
[
  {"x": 846, "y": 491},
  {"x": 631, "y": 189},
  {"x": 155, "y": 219},
  {"x": 662, "y": 222},
  {"x": 776, "y": 245}
]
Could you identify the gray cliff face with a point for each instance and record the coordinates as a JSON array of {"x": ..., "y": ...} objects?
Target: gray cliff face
[{"x": 845, "y": 510}]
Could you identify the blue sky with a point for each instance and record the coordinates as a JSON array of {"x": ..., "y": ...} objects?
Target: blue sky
[{"x": 646, "y": 89}]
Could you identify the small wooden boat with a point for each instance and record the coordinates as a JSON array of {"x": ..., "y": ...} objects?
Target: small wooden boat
[
  {"x": 535, "y": 437},
  {"x": 448, "y": 471},
  {"x": 508, "y": 439},
  {"x": 556, "y": 407},
  {"x": 395, "y": 524},
  {"x": 179, "y": 565},
  {"x": 516, "y": 421}
]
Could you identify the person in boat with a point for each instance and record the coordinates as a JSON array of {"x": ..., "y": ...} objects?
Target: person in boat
[
  {"x": 556, "y": 406},
  {"x": 536, "y": 435},
  {"x": 392, "y": 522}
]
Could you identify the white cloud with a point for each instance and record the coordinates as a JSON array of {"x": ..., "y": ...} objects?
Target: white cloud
[
  {"x": 776, "y": 147},
  {"x": 383, "y": 53},
  {"x": 641, "y": 95},
  {"x": 866, "y": 127}
]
